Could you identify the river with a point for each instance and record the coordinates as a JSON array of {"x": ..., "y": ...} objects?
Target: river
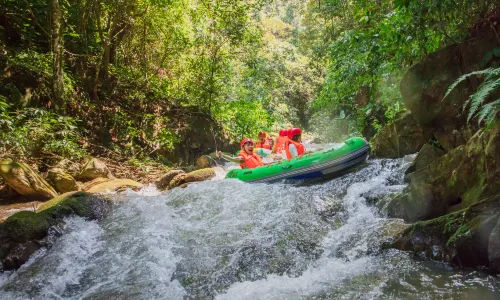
[{"x": 225, "y": 239}]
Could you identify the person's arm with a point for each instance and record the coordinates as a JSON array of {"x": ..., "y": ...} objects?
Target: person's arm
[{"x": 236, "y": 159}]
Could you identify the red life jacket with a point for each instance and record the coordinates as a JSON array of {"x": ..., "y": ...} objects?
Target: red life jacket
[
  {"x": 266, "y": 145},
  {"x": 300, "y": 148},
  {"x": 251, "y": 160},
  {"x": 282, "y": 143}
]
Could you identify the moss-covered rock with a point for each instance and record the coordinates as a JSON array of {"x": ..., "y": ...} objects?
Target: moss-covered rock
[
  {"x": 62, "y": 181},
  {"x": 427, "y": 155},
  {"x": 177, "y": 181},
  {"x": 68, "y": 166},
  {"x": 462, "y": 238},
  {"x": 453, "y": 181},
  {"x": 93, "y": 169},
  {"x": 20, "y": 232},
  {"x": 89, "y": 184},
  {"x": 115, "y": 185},
  {"x": 25, "y": 181},
  {"x": 402, "y": 137},
  {"x": 200, "y": 175},
  {"x": 165, "y": 180}
]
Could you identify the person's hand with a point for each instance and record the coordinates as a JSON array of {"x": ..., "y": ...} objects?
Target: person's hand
[{"x": 218, "y": 153}]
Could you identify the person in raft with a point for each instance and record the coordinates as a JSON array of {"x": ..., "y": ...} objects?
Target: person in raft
[
  {"x": 265, "y": 143},
  {"x": 281, "y": 143},
  {"x": 295, "y": 146},
  {"x": 246, "y": 158}
]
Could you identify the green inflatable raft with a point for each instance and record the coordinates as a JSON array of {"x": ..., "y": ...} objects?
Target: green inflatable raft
[{"x": 314, "y": 165}]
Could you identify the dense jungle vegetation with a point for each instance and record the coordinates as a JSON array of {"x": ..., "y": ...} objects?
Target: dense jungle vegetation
[{"x": 81, "y": 76}]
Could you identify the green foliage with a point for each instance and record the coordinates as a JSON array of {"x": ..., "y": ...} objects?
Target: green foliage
[
  {"x": 478, "y": 108},
  {"x": 34, "y": 132}
]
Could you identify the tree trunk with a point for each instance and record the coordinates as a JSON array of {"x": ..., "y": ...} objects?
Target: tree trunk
[{"x": 57, "y": 57}]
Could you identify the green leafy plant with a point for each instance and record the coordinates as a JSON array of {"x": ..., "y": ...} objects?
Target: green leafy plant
[{"x": 485, "y": 112}]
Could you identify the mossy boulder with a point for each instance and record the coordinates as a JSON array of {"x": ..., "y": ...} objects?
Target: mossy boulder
[
  {"x": 465, "y": 238},
  {"x": 424, "y": 85},
  {"x": 93, "y": 169},
  {"x": 68, "y": 166},
  {"x": 427, "y": 155},
  {"x": 165, "y": 180},
  {"x": 20, "y": 233},
  {"x": 89, "y": 184},
  {"x": 402, "y": 137},
  {"x": 25, "y": 181},
  {"x": 62, "y": 181},
  {"x": 177, "y": 181},
  {"x": 453, "y": 181},
  {"x": 200, "y": 175},
  {"x": 115, "y": 185}
]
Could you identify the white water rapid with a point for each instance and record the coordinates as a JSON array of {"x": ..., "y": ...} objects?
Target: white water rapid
[{"x": 226, "y": 239}]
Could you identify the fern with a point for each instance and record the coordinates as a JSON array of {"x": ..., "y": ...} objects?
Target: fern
[{"x": 491, "y": 83}]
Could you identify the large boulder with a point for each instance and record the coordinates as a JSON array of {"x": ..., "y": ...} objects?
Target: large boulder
[
  {"x": 21, "y": 233},
  {"x": 93, "y": 169},
  {"x": 424, "y": 85},
  {"x": 453, "y": 181},
  {"x": 165, "y": 180},
  {"x": 62, "y": 181},
  {"x": 402, "y": 137},
  {"x": 25, "y": 181},
  {"x": 466, "y": 238},
  {"x": 200, "y": 175}
]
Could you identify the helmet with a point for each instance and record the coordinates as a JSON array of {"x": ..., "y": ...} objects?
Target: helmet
[
  {"x": 244, "y": 141},
  {"x": 288, "y": 133},
  {"x": 262, "y": 133},
  {"x": 282, "y": 132},
  {"x": 294, "y": 132}
]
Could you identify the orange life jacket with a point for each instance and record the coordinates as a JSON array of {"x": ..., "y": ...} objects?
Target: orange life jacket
[
  {"x": 265, "y": 145},
  {"x": 282, "y": 143},
  {"x": 251, "y": 160},
  {"x": 300, "y": 148}
]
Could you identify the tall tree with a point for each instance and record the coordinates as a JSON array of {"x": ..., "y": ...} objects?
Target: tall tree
[{"x": 57, "y": 44}]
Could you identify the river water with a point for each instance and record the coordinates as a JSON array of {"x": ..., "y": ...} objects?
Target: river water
[{"x": 226, "y": 239}]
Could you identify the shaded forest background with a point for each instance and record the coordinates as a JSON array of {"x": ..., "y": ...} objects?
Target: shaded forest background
[{"x": 167, "y": 80}]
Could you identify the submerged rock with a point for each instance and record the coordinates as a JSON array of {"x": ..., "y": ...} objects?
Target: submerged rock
[
  {"x": 402, "y": 137},
  {"x": 177, "y": 181},
  {"x": 93, "y": 169},
  {"x": 25, "y": 181},
  {"x": 62, "y": 181},
  {"x": 165, "y": 180},
  {"x": 466, "y": 238},
  {"x": 21, "y": 232}
]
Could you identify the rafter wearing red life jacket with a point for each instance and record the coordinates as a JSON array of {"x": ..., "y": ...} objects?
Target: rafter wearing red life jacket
[
  {"x": 282, "y": 143},
  {"x": 300, "y": 148},
  {"x": 266, "y": 144},
  {"x": 251, "y": 160}
]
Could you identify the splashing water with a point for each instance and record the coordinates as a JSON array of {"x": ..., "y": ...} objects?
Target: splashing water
[{"x": 227, "y": 239}]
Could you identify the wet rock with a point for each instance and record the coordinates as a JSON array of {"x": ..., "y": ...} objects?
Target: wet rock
[
  {"x": 177, "y": 181},
  {"x": 425, "y": 84},
  {"x": 165, "y": 180},
  {"x": 425, "y": 157},
  {"x": 72, "y": 168},
  {"x": 402, "y": 137},
  {"x": 200, "y": 175},
  {"x": 89, "y": 184},
  {"x": 62, "y": 181},
  {"x": 453, "y": 181},
  {"x": 93, "y": 169},
  {"x": 461, "y": 238},
  {"x": 21, "y": 232},
  {"x": 494, "y": 248},
  {"x": 115, "y": 185},
  {"x": 25, "y": 181}
]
